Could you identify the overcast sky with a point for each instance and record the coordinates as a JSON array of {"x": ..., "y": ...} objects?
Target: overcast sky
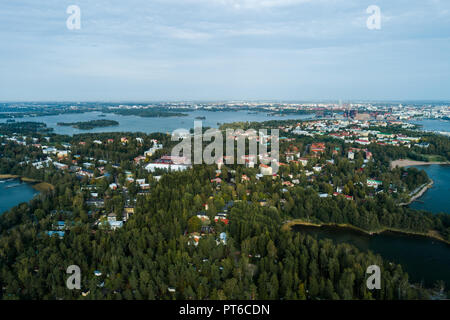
[{"x": 224, "y": 50}]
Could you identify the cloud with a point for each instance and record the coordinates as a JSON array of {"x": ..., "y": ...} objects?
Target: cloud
[
  {"x": 257, "y": 4},
  {"x": 227, "y": 48},
  {"x": 243, "y": 4},
  {"x": 183, "y": 34}
]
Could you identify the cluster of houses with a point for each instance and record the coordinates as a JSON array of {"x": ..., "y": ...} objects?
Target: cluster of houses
[
  {"x": 206, "y": 229},
  {"x": 355, "y": 131}
]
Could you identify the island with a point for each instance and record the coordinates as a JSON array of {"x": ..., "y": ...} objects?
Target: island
[
  {"x": 146, "y": 112},
  {"x": 88, "y": 125}
]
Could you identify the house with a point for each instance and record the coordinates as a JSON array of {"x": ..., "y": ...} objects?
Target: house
[
  {"x": 144, "y": 186},
  {"x": 98, "y": 203},
  {"x": 194, "y": 238},
  {"x": 60, "y": 234},
  {"x": 203, "y": 217},
  {"x": 221, "y": 218},
  {"x": 153, "y": 149},
  {"x": 204, "y": 230},
  {"x": 374, "y": 183},
  {"x": 263, "y": 203},
  {"x": 111, "y": 221},
  {"x": 363, "y": 141},
  {"x": 289, "y": 156},
  {"x": 265, "y": 169},
  {"x": 318, "y": 147},
  {"x": 60, "y": 166},
  {"x": 115, "y": 224},
  {"x": 138, "y": 159},
  {"x": 88, "y": 165},
  {"x": 62, "y": 154},
  {"x": 41, "y": 164},
  {"x": 113, "y": 186},
  {"x": 60, "y": 225},
  {"x": 345, "y": 196},
  {"x": 49, "y": 150},
  {"x": 287, "y": 183},
  {"x": 85, "y": 173},
  {"x": 127, "y": 212},
  {"x": 216, "y": 180},
  {"x": 140, "y": 181},
  {"x": 223, "y": 238},
  {"x": 303, "y": 161},
  {"x": 422, "y": 145},
  {"x": 169, "y": 163}
]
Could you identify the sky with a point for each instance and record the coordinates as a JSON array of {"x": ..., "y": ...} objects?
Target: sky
[{"x": 151, "y": 50}]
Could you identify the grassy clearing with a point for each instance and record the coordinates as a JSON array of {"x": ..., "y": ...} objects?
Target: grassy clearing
[{"x": 43, "y": 187}]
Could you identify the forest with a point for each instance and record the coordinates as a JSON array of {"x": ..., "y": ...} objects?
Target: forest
[{"x": 152, "y": 256}]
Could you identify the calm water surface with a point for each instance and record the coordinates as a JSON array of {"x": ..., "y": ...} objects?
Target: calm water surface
[
  {"x": 426, "y": 260},
  {"x": 149, "y": 125},
  {"x": 434, "y": 125},
  {"x": 13, "y": 192},
  {"x": 436, "y": 199}
]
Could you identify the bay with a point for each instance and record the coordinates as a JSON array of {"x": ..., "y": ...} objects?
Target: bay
[
  {"x": 433, "y": 125},
  {"x": 13, "y": 192},
  {"x": 150, "y": 125},
  {"x": 426, "y": 260},
  {"x": 437, "y": 198}
]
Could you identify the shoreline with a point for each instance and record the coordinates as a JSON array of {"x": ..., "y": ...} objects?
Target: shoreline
[
  {"x": 406, "y": 163},
  {"x": 35, "y": 184},
  {"x": 419, "y": 194},
  {"x": 8, "y": 176},
  {"x": 431, "y": 233}
]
